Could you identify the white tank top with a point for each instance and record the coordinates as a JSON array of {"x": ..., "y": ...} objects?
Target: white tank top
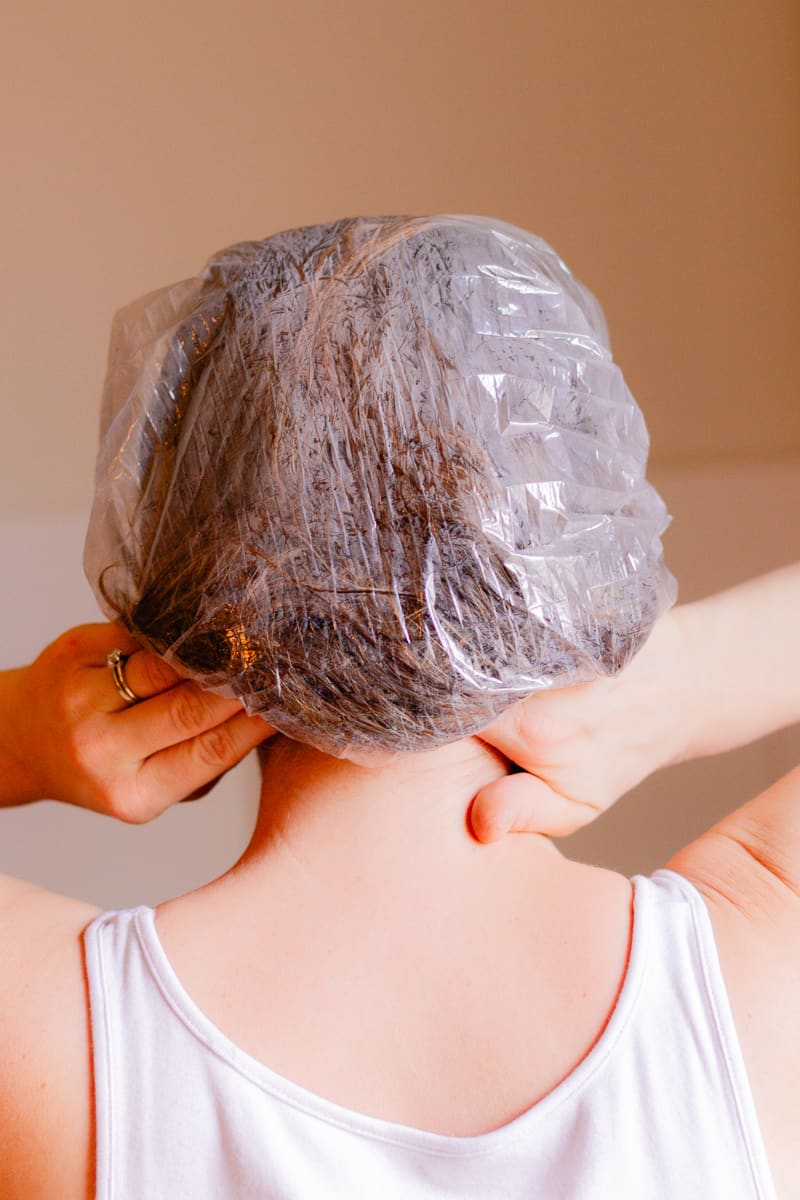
[{"x": 659, "y": 1108}]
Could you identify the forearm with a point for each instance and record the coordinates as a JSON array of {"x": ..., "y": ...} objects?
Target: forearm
[
  {"x": 17, "y": 776},
  {"x": 741, "y": 664}
]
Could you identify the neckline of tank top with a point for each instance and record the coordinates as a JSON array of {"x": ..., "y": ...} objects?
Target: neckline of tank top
[{"x": 376, "y": 1128}]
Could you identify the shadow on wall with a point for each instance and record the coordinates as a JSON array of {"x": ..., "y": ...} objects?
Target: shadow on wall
[{"x": 730, "y": 522}]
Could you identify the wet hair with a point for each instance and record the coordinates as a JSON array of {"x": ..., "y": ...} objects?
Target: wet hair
[{"x": 339, "y": 483}]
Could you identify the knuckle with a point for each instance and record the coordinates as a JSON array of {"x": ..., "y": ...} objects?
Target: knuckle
[
  {"x": 81, "y": 750},
  {"x": 121, "y": 802},
  {"x": 68, "y": 644},
  {"x": 69, "y": 648},
  {"x": 536, "y": 726},
  {"x": 59, "y": 656},
  {"x": 189, "y": 709},
  {"x": 525, "y": 725},
  {"x": 68, "y": 714},
  {"x": 156, "y": 673},
  {"x": 109, "y": 800},
  {"x": 75, "y": 698},
  {"x": 216, "y": 748}
]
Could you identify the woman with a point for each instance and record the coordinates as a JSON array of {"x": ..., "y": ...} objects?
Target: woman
[{"x": 382, "y": 962}]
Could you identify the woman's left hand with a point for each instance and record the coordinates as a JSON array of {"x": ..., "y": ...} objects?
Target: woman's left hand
[
  {"x": 582, "y": 747},
  {"x": 67, "y": 734}
]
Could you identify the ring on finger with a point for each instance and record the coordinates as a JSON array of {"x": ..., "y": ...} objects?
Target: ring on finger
[{"x": 116, "y": 661}]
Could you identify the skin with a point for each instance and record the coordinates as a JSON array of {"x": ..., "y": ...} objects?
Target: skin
[
  {"x": 376, "y": 876},
  {"x": 392, "y": 845},
  {"x": 89, "y": 747},
  {"x": 713, "y": 675}
]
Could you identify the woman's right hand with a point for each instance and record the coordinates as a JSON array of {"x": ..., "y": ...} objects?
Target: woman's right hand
[
  {"x": 580, "y": 748},
  {"x": 66, "y": 733}
]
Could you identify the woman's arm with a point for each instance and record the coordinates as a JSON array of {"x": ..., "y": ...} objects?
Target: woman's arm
[
  {"x": 743, "y": 650},
  {"x": 66, "y": 734},
  {"x": 714, "y": 675}
]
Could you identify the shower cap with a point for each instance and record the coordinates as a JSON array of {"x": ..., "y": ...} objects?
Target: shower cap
[{"x": 378, "y": 479}]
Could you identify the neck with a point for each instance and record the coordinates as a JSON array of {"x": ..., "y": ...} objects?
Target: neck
[{"x": 334, "y": 823}]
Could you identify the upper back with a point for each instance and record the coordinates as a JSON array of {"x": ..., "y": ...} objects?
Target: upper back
[
  {"x": 184, "y": 1109},
  {"x": 476, "y": 1048}
]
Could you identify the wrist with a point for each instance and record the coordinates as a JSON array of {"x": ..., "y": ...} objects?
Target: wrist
[
  {"x": 662, "y": 697},
  {"x": 682, "y": 696}
]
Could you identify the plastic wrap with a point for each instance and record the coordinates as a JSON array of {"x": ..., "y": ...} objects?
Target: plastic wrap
[{"x": 378, "y": 479}]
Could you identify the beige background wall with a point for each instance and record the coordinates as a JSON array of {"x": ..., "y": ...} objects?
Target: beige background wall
[{"x": 655, "y": 146}]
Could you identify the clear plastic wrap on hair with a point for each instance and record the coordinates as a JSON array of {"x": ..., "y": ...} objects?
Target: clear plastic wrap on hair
[{"x": 378, "y": 479}]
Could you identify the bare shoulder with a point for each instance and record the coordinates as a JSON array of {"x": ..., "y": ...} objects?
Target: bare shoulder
[
  {"x": 747, "y": 868},
  {"x": 46, "y": 1138}
]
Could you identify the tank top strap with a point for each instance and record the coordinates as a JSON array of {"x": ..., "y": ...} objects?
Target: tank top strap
[{"x": 685, "y": 973}]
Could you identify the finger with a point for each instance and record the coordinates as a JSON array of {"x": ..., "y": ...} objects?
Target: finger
[
  {"x": 145, "y": 673},
  {"x": 531, "y": 726},
  {"x": 182, "y": 770},
  {"x": 200, "y": 792},
  {"x": 177, "y": 715},
  {"x": 522, "y": 803},
  {"x": 90, "y": 645}
]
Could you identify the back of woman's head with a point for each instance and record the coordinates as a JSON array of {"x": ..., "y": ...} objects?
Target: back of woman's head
[{"x": 379, "y": 479}]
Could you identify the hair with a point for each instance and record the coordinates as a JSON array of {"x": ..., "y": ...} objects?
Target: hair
[{"x": 319, "y": 525}]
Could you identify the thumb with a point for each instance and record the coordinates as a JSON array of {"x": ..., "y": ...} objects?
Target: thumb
[{"x": 521, "y": 803}]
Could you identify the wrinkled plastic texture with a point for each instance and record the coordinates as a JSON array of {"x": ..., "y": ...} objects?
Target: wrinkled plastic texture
[{"x": 379, "y": 479}]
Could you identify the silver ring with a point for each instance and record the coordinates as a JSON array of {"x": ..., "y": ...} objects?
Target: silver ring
[{"x": 116, "y": 661}]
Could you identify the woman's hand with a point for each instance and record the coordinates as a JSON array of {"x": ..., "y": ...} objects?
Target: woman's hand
[
  {"x": 585, "y": 746},
  {"x": 66, "y": 733},
  {"x": 714, "y": 675}
]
